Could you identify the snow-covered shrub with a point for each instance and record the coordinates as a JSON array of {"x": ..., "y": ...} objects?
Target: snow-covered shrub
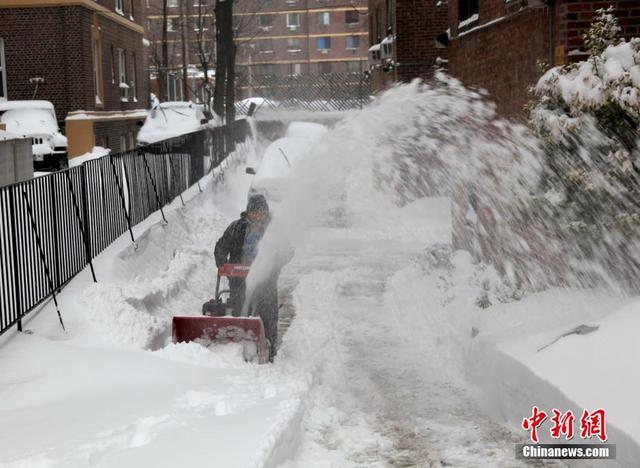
[{"x": 588, "y": 116}]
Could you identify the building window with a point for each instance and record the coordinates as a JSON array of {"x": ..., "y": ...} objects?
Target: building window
[
  {"x": 293, "y": 45},
  {"x": 265, "y": 46},
  {"x": 123, "y": 143},
  {"x": 265, "y": 70},
  {"x": 96, "y": 54},
  {"x": 323, "y": 43},
  {"x": 378, "y": 25},
  {"x": 351, "y": 17},
  {"x": 199, "y": 3},
  {"x": 293, "y": 20},
  {"x": 389, "y": 16},
  {"x": 296, "y": 69},
  {"x": 265, "y": 21},
  {"x": 353, "y": 42},
  {"x": 122, "y": 75},
  {"x": 324, "y": 18},
  {"x": 131, "y": 10},
  {"x": 353, "y": 67},
  {"x": 324, "y": 68},
  {"x": 467, "y": 10},
  {"x": 199, "y": 24},
  {"x": 134, "y": 80},
  {"x": 172, "y": 24},
  {"x": 172, "y": 3},
  {"x": 120, "y": 6},
  {"x": 113, "y": 66},
  {"x": 3, "y": 73}
]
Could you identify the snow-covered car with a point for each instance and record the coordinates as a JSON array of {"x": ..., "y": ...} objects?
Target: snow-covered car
[
  {"x": 242, "y": 107},
  {"x": 37, "y": 120},
  {"x": 271, "y": 179},
  {"x": 172, "y": 119}
]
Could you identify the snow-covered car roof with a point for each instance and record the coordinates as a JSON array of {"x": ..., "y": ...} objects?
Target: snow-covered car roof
[
  {"x": 171, "y": 119},
  {"x": 4, "y": 136},
  {"x": 20, "y": 105},
  {"x": 179, "y": 105},
  {"x": 29, "y": 117},
  {"x": 281, "y": 155}
]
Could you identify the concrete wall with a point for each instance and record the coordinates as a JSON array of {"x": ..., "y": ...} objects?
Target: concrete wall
[{"x": 16, "y": 161}]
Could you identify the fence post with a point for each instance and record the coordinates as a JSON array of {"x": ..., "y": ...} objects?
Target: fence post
[
  {"x": 14, "y": 245},
  {"x": 56, "y": 250},
  {"x": 43, "y": 258},
  {"x": 173, "y": 174},
  {"x": 121, "y": 193},
  {"x": 83, "y": 225},
  {"x": 153, "y": 183}
]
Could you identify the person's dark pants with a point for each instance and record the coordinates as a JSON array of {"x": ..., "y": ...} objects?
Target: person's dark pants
[
  {"x": 264, "y": 303},
  {"x": 236, "y": 298}
]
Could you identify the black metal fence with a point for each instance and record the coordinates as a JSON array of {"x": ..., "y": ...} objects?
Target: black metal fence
[
  {"x": 323, "y": 92},
  {"x": 51, "y": 227}
]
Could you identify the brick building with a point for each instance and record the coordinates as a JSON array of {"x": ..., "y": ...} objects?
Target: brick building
[
  {"x": 496, "y": 44},
  {"x": 273, "y": 38},
  {"x": 292, "y": 37},
  {"x": 84, "y": 56},
  {"x": 404, "y": 37}
]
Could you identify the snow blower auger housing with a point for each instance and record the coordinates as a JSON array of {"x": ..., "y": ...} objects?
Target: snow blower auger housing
[{"x": 218, "y": 326}]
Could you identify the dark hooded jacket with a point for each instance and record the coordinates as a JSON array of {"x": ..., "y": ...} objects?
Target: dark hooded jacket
[{"x": 229, "y": 247}]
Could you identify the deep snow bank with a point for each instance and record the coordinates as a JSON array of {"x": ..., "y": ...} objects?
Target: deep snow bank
[{"x": 497, "y": 348}]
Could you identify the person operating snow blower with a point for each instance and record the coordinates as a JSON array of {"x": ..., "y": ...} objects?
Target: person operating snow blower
[{"x": 239, "y": 244}]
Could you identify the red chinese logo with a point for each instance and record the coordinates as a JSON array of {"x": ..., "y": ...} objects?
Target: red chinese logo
[
  {"x": 532, "y": 423},
  {"x": 562, "y": 424},
  {"x": 593, "y": 424}
]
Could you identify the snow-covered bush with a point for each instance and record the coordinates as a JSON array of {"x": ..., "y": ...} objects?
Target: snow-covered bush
[{"x": 588, "y": 116}]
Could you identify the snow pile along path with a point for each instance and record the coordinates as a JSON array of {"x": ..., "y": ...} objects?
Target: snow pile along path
[{"x": 113, "y": 391}]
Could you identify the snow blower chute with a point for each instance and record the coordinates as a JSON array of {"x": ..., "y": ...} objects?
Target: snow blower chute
[{"x": 218, "y": 326}]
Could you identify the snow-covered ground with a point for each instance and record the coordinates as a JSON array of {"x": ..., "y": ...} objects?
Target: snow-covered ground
[{"x": 402, "y": 352}]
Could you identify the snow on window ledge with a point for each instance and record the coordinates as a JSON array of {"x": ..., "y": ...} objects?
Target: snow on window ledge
[{"x": 470, "y": 20}]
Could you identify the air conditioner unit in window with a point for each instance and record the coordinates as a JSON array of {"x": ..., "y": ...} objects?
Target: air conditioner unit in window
[
  {"x": 264, "y": 28},
  {"x": 323, "y": 51},
  {"x": 293, "y": 27}
]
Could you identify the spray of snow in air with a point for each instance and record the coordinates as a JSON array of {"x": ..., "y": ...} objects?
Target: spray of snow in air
[{"x": 442, "y": 139}]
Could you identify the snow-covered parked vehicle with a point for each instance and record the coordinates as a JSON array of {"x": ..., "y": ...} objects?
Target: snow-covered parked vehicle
[
  {"x": 242, "y": 107},
  {"x": 37, "y": 120},
  {"x": 272, "y": 178},
  {"x": 171, "y": 119}
]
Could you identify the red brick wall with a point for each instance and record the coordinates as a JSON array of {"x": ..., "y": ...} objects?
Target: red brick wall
[
  {"x": 108, "y": 134},
  {"x": 55, "y": 43},
  {"x": 417, "y": 24},
  {"x": 501, "y": 57},
  {"x": 117, "y": 36},
  {"x": 50, "y": 43},
  {"x": 575, "y": 17}
]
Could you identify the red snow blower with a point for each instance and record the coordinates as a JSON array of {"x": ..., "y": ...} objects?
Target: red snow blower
[{"x": 216, "y": 325}]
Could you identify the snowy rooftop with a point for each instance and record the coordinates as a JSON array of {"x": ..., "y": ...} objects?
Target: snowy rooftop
[
  {"x": 13, "y": 105},
  {"x": 4, "y": 136}
]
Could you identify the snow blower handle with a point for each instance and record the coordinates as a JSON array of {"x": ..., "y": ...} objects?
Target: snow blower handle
[{"x": 237, "y": 270}]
